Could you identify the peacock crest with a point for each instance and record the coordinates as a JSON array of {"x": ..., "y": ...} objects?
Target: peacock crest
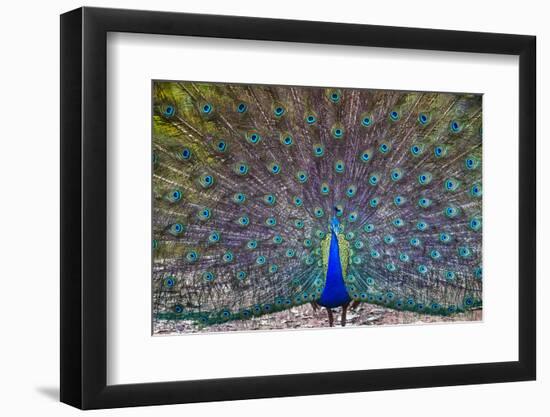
[{"x": 267, "y": 198}]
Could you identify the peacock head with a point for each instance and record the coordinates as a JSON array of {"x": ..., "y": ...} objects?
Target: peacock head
[{"x": 334, "y": 225}]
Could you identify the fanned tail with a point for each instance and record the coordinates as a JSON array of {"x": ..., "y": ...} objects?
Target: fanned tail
[{"x": 247, "y": 178}]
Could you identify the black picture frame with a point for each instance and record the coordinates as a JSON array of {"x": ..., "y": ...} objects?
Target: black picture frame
[{"x": 84, "y": 207}]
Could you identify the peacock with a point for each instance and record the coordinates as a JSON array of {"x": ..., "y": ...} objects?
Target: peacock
[{"x": 270, "y": 197}]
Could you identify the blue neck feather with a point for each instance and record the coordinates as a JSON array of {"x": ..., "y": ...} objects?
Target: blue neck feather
[{"x": 335, "y": 293}]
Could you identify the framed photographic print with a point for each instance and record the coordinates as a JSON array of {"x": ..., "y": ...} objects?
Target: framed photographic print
[{"x": 257, "y": 208}]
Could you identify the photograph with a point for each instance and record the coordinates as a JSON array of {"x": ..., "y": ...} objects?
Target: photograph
[{"x": 294, "y": 207}]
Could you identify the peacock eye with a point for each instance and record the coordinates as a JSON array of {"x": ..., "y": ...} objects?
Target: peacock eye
[
  {"x": 208, "y": 276},
  {"x": 241, "y": 107},
  {"x": 186, "y": 153},
  {"x": 476, "y": 190},
  {"x": 444, "y": 237},
  {"x": 279, "y": 111},
  {"x": 351, "y": 191},
  {"x": 451, "y": 184},
  {"x": 422, "y": 118},
  {"x": 169, "y": 282},
  {"x": 169, "y": 111},
  {"x": 384, "y": 148},
  {"x": 274, "y": 168},
  {"x": 286, "y": 140},
  {"x": 475, "y": 224},
  {"x": 301, "y": 176},
  {"x": 253, "y": 137},
  {"x": 337, "y": 132},
  {"x": 206, "y": 181},
  {"x": 206, "y": 109},
  {"x": 455, "y": 126},
  {"x": 241, "y": 168}
]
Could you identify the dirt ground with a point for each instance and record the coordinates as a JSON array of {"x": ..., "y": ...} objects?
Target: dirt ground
[{"x": 305, "y": 317}]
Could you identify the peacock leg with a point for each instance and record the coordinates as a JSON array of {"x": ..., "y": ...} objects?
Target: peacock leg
[
  {"x": 344, "y": 311},
  {"x": 330, "y": 317}
]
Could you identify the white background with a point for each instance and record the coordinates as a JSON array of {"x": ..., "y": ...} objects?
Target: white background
[
  {"x": 133, "y": 355},
  {"x": 30, "y": 205}
]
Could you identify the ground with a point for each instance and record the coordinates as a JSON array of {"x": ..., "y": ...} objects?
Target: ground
[{"x": 305, "y": 316}]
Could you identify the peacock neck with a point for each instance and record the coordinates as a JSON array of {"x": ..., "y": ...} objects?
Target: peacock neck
[{"x": 334, "y": 294}]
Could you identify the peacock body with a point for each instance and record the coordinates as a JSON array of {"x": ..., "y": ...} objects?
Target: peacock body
[{"x": 270, "y": 197}]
